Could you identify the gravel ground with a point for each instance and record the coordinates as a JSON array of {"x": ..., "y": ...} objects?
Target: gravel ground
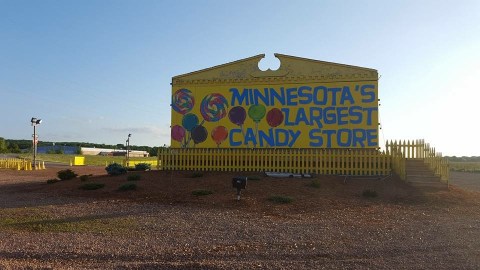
[{"x": 163, "y": 227}]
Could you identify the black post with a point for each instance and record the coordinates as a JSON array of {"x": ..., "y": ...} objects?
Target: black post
[{"x": 34, "y": 147}]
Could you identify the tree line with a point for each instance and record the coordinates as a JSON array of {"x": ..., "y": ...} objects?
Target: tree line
[{"x": 19, "y": 146}]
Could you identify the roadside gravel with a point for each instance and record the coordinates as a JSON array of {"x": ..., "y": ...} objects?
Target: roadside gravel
[{"x": 437, "y": 229}]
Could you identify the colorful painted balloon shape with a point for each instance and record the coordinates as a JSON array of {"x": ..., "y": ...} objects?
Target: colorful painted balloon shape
[
  {"x": 199, "y": 134},
  {"x": 189, "y": 121},
  {"x": 237, "y": 115},
  {"x": 213, "y": 107},
  {"x": 183, "y": 101},
  {"x": 219, "y": 134},
  {"x": 257, "y": 112},
  {"x": 274, "y": 117},
  {"x": 178, "y": 133}
]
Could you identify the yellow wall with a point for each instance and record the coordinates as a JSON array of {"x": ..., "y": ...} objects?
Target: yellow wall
[{"x": 263, "y": 115}]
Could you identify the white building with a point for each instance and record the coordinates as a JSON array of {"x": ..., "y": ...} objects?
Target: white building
[{"x": 89, "y": 151}]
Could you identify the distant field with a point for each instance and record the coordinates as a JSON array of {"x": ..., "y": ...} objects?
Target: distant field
[
  {"x": 465, "y": 166},
  {"x": 89, "y": 160}
]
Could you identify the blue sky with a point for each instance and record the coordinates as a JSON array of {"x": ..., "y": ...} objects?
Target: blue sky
[{"x": 95, "y": 71}]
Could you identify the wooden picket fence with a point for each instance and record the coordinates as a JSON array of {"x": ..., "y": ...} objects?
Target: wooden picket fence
[
  {"x": 417, "y": 149},
  {"x": 301, "y": 161}
]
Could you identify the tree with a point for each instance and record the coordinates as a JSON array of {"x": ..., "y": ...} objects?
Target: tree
[
  {"x": 3, "y": 146},
  {"x": 13, "y": 148}
]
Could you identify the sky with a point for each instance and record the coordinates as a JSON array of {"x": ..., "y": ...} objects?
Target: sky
[{"x": 95, "y": 71}]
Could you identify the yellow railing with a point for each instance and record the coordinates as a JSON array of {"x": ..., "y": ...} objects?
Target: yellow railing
[
  {"x": 20, "y": 164},
  {"x": 398, "y": 160},
  {"x": 418, "y": 149},
  {"x": 132, "y": 163},
  {"x": 318, "y": 161}
]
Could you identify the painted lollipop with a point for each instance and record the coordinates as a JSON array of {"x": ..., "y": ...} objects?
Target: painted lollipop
[
  {"x": 237, "y": 115},
  {"x": 256, "y": 113},
  {"x": 213, "y": 107},
  {"x": 178, "y": 133},
  {"x": 183, "y": 101},
  {"x": 274, "y": 117},
  {"x": 189, "y": 122},
  {"x": 219, "y": 134},
  {"x": 199, "y": 134}
]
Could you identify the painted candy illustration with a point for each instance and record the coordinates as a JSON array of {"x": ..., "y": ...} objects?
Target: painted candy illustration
[
  {"x": 274, "y": 117},
  {"x": 199, "y": 134},
  {"x": 183, "y": 101},
  {"x": 219, "y": 134},
  {"x": 178, "y": 133},
  {"x": 213, "y": 107},
  {"x": 189, "y": 122},
  {"x": 256, "y": 113},
  {"x": 237, "y": 115}
]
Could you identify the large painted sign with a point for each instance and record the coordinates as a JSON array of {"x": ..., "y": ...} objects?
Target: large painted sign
[{"x": 273, "y": 115}]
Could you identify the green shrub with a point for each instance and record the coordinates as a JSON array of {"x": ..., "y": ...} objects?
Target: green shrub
[
  {"x": 280, "y": 199},
  {"x": 84, "y": 177},
  {"x": 66, "y": 174},
  {"x": 368, "y": 193},
  {"x": 134, "y": 177},
  {"x": 52, "y": 181},
  {"x": 201, "y": 192},
  {"x": 142, "y": 167},
  {"x": 115, "y": 169},
  {"x": 92, "y": 186},
  {"x": 128, "y": 186},
  {"x": 314, "y": 183},
  {"x": 197, "y": 174}
]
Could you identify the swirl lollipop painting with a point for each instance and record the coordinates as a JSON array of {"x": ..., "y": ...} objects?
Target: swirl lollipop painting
[
  {"x": 237, "y": 115},
  {"x": 183, "y": 101},
  {"x": 213, "y": 107},
  {"x": 219, "y": 134},
  {"x": 256, "y": 113}
]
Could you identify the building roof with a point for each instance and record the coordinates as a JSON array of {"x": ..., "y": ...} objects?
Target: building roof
[{"x": 291, "y": 68}]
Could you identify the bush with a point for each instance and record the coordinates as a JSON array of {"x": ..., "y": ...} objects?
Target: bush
[
  {"x": 368, "y": 193},
  {"x": 66, "y": 174},
  {"x": 142, "y": 167},
  {"x": 92, "y": 186},
  {"x": 127, "y": 186},
  {"x": 115, "y": 169},
  {"x": 314, "y": 183},
  {"x": 280, "y": 199},
  {"x": 201, "y": 192},
  {"x": 52, "y": 181},
  {"x": 134, "y": 177},
  {"x": 197, "y": 174},
  {"x": 84, "y": 178}
]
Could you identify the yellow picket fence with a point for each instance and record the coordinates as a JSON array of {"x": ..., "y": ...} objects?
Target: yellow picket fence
[
  {"x": 132, "y": 163},
  {"x": 417, "y": 149},
  {"x": 20, "y": 164},
  {"x": 318, "y": 161}
]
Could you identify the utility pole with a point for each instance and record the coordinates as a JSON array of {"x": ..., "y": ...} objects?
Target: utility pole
[
  {"x": 128, "y": 149},
  {"x": 35, "y": 122}
]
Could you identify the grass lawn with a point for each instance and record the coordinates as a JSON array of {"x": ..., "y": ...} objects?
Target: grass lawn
[
  {"x": 465, "y": 166},
  {"x": 89, "y": 160}
]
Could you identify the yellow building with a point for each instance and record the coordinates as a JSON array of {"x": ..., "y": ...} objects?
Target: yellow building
[{"x": 304, "y": 104}]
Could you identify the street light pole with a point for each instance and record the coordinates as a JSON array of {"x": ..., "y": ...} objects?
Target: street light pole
[
  {"x": 35, "y": 122},
  {"x": 128, "y": 149}
]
